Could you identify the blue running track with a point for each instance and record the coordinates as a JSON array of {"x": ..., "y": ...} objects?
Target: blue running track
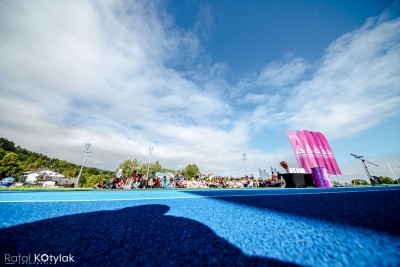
[{"x": 242, "y": 227}]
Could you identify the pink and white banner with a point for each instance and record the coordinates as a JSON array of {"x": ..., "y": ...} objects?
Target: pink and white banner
[
  {"x": 309, "y": 152},
  {"x": 328, "y": 150},
  {"x": 317, "y": 153},
  {"x": 325, "y": 157},
  {"x": 299, "y": 151},
  {"x": 312, "y": 150}
]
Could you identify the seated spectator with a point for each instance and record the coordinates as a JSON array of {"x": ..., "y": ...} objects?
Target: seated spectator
[
  {"x": 223, "y": 183},
  {"x": 129, "y": 183},
  {"x": 212, "y": 184},
  {"x": 150, "y": 183},
  {"x": 101, "y": 185},
  {"x": 111, "y": 183},
  {"x": 143, "y": 182},
  {"x": 183, "y": 182},
  {"x": 136, "y": 184},
  {"x": 164, "y": 182},
  {"x": 202, "y": 183},
  {"x": 250, "y": 184},
  {"x": 238, "y": 184},
  {"x": 157, "y": 182},
  {"x": 256, "y": 182},
  {"x": 171, "y": 183},
  {"x": 245, "y": 181},
  {"x": 119, "y": 184}
]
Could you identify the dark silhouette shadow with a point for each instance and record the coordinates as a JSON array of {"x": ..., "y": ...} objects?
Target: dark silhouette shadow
[
  {"x": 135, "y": 236},
  {"x": 376, "y": 210}
]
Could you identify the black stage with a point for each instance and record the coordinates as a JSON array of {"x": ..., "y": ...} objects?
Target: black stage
[{"x": 294, "y": 180}]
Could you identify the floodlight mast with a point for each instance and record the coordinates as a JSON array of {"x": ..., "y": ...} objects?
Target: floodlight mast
[
  {"x": 365, "y": 166},
  {"x": 87, "y": 149},
  {"x": 148, "y": 165},
  {"x": 244, "y": 161}
]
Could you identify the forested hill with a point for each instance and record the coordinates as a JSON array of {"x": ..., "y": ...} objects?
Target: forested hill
[{"x": 15, "y": 160}]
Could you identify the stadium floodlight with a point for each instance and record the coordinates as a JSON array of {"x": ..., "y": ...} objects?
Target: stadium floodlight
[
  {"x": 244, "y": 161},
  {"x": 86, "y": 150},
  {"x": 148, "y": 165},
  {"x": 363, "y": 161}
]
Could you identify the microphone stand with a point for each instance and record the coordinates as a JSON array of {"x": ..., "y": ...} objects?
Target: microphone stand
[{"x": 363, "y": 161}]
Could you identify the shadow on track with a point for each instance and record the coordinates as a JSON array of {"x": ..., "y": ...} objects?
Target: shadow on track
[
  {"x": 135, "y": 236},
  {"x": 376, "y": 210}
]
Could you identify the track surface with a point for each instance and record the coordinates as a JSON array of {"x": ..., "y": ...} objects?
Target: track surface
[{"x": 254, "y": 227}]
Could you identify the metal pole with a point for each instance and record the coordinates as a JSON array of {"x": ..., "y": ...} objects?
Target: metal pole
[
  {"x": 148, "y": 165},
  {"x": 365, "y": 166},
  {"x": 395, "y": 176},
  {"x": 85, "y": 151},
  {"x": 366, "y": 169},
  {"x": 244, "y": 161}
]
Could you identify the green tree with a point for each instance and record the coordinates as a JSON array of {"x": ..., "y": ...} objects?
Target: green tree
[
  {"x": 155, "y": 167},
  {"x": 83, "y": 180},
  {"x": 143, "y": 169},
  {"x": 2, "y": 153},
  {"x": 359, "y": 182},
  {"x": 28, "y": 160},
  {"x": 128, "y": 166},
  {"x": 93, "y": 171},
  {"x": 386, "y": 180},
  {"x": 71, "y": 172},
  {"x": 9, "y": 164},
  {"x": 191, "y": 170},
  {"x": 7, "y": 145}
]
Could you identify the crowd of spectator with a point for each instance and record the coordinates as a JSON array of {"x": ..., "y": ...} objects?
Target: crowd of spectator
[{"x": 139, "y": 181}]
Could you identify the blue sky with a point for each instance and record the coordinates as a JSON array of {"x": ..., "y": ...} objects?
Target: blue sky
[
  {"x": 247, "y": 34},
  {"x": 202, "y": 81}
]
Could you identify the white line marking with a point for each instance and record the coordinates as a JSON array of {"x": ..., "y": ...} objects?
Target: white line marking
[{"x": 186, "y": 197}]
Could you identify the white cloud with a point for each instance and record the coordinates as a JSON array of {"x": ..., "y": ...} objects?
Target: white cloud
[
  {"x": 354, "y": 87},
  {"x": 100, "y": 73},
  {"x": 282, "y": 74},
  {"x": 121, "y": 76}
]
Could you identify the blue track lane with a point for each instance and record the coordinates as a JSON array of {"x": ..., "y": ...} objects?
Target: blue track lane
[{"x": 259, "y": 227}]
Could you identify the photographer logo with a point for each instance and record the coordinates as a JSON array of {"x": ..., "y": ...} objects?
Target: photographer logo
[{"x": 37, "y": 259}]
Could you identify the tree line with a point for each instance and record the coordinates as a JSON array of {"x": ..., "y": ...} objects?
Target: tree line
[
  {"x": 382, "y": 179},
  {"x": 15, "y": 160}
]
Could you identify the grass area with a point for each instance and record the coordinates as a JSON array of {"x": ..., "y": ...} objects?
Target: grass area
[{"x": 37, "y": 188}]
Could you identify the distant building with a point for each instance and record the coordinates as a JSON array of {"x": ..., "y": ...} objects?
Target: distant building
[{"x": 40, "y": 177}]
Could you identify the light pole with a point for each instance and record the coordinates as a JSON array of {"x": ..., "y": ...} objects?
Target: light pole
[
  {"x": 148, "y": 165},
  {"x": 390, "y": 167},
  {"x": 86, "y": 150},
  {"x": 244, "y": 162},
  {"x": 365, "y": 166}
]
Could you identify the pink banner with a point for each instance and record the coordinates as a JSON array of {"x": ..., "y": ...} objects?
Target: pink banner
[
  {"x": 329, "y": 152},
  {"x": 299, "y": 151},
  {"x": 309, "y": 151},
  {"x": 325, "y": 157},
  {"x": 317, "y": 154}
]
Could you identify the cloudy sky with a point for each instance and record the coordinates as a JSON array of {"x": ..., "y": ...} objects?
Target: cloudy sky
[{"x": 202, "y": 81}]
